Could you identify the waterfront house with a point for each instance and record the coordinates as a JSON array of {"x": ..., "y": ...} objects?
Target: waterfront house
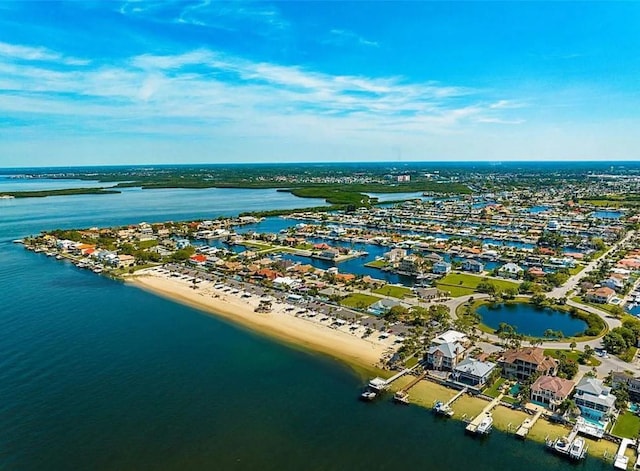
[
  {"x": 395, "y": 255},
  {"x": 441, "y": 268},
  {"x": 551, "y": 390},
  {"x": 521, "y": 363},
  {"x": 594, "y": 399},
  {"x": 614, "y": 283},
  {"x": 125, "y": 261},
  {"x": 409, "y": 264},
  {"x": 633, "y": 383},
  {"x": 473, "y": 372},
  {"x": 329, "y": 254},
  {"x": 451, "y": 336},
  {"x": 600, "y": 295},
  {"x": 473, "y": 266},
  {"x": 444, "y": 357},
  {"x": 510, "y": 270}
]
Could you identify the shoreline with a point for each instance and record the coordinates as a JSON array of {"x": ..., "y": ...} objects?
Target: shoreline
[
  {"x": 309, "y": 335},
  {"x": 361, "y": 355}
]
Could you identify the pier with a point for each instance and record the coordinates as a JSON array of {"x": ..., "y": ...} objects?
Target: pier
[
  {"x": 528, "y": 424},
  {"x": 380, "y": 384},
  {"x": 474, "y": 425},
  {"x": 573, "y": 447},
  {"x": 445, "y": 408},
  {"x": 621, "y": 461},
  {"x": 403, "y": 394}
]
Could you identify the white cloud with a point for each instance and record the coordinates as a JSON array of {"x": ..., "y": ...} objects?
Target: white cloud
[
  {"x": 206, "y": 95},
  {"x": 36, "y": 54}
]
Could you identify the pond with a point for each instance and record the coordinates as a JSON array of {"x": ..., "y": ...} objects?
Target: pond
[{"x": 529, "y": 320}]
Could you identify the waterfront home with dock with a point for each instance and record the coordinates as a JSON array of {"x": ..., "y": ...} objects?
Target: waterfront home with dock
[
  {"x": 551, "y": 390},
  {"x": 472, "y": 372},
  {"x": 444, "y": 357},
  {"x": 594, "y": 399}
]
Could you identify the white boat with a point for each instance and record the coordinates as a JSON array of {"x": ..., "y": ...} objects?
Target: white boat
[
  {"x": 368, "y": 395},
  {"x": 486, "y": 424},
  {"x": 402, "y": 397},
  {"x": 97, "y": 270},
  {"x": 577, "y": 450},
  {"x": 442, "y": 409},
  {"x": 562, "y": 445},
  {"x": 58, "y": 257}
]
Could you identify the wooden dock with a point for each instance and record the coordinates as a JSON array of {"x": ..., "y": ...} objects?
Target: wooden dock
[
  {"x": 475, "y": 422},
  {"x": 528, "y": 424},
  {"x": 402, "y": 396}
]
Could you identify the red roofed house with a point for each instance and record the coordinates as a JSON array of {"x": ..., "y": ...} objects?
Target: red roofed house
[
  {"x": 536, "y": 272},
  {"x": 601, "y": 295},
  {"x": 198, "y": 259},
  {"x": 522, "y": 363},
  {"x": 551, "y": 390}
]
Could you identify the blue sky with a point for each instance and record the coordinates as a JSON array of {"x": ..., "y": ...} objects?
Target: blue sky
[{"x": 112, "y": 82}]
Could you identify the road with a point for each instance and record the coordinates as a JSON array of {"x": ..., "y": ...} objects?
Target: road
[{"x": 573, "y": 281}]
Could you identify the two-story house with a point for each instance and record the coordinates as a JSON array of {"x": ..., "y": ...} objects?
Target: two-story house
[
  {"x": 444, "y": 357},
  {"x": 594, "y": 399},
  {"x": 551, "y": 390},
  {"x": 523, "y": 362}
]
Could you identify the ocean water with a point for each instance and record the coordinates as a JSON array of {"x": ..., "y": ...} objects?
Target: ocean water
[{"x": 97, "y": 375}]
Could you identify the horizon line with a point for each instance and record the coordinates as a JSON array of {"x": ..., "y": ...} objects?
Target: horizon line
[{"x": 332, "y": 162}]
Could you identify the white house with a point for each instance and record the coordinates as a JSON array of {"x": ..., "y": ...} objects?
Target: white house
[
  {"x": 594, "y": 399},
  {"x": 510, "y": 270}
]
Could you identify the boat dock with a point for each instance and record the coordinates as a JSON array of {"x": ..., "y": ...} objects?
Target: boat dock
[
  {"x": 621, "y": 461},
  {"x": 573, "y": 447},
  {"x": 443, "y": 408},
  {"x": 528, "y": 424},
  {"x": 472, "y": 427},
  {"x": 380, "y": 384},
  {"x": 402, "y": 395}
]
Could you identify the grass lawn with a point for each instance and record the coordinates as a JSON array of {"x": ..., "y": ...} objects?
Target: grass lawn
[
  {"x": 394, "y": 291},
  {"x": 258, "y": 246},
  {"x": 359, "y": 300},
  {"x": 460, "y": 284},
  {"x": 570, "y": 355},
  {"x": 411, "y": 362},
  {"x": 147, "y": 244},
  {"x": 627, "y": 426},
  {"x": 376, "y": 264},
  {"x": 575, "y": 270},
  {"x": 493, "y": 391}
]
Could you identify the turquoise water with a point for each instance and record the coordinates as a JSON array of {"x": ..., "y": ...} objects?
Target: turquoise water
[
  {"x": 97, "y": 375},
  {"x": 530, "y": 321}
]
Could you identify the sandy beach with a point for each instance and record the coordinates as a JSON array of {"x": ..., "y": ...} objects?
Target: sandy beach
[
  {"x": 283, "y": 322},
  {"x": 344, "y": 343}
]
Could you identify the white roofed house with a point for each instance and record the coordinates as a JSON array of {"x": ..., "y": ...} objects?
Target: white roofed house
[
  {"x": 594, "y": 399},
  {"x": 473, "y": 372},
  {"x": 510, "y": 270},
  {"x": 451, "y": 336}
]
